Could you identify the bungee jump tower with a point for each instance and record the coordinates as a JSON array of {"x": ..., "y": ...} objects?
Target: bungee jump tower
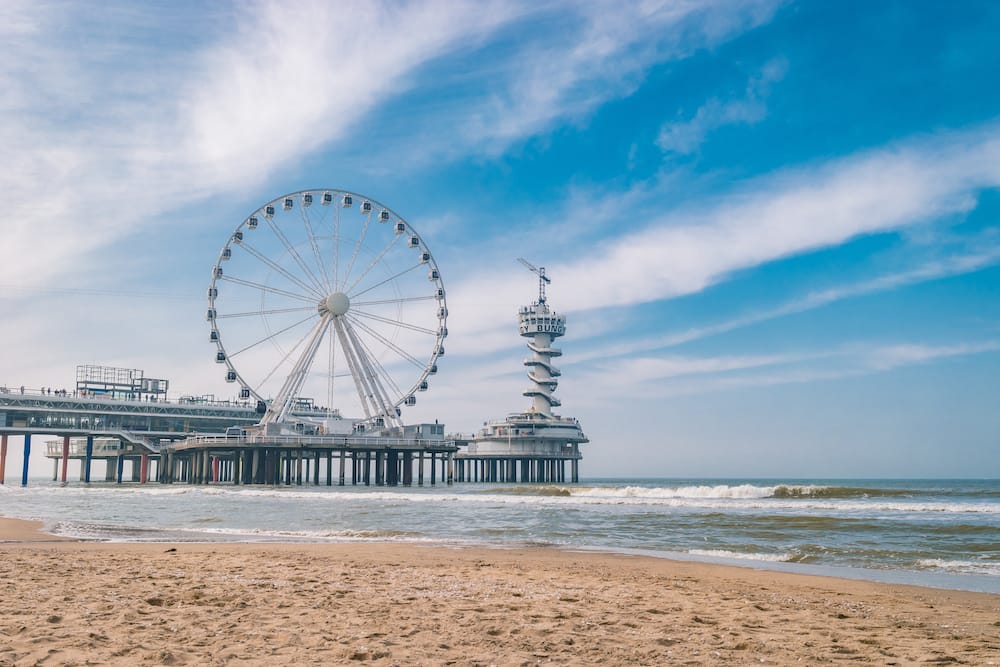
[{"x": 531, "y": 446}]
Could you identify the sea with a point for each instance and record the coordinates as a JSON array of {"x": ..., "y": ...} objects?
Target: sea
[{"x": 939, "y": 533}]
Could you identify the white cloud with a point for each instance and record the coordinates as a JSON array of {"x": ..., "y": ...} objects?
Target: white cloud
[
  {"x": 677, "y": 375},
  {"x": 105, "y": 132},
  {"x": 951, "y": 266},
  {"x": 785, "y": 214},
  {"x": 888, "y": 357},
  {"x": 686, "y": 137},
  {"x": 603, "y": 56},
  {"x": 684, "y": 250}
]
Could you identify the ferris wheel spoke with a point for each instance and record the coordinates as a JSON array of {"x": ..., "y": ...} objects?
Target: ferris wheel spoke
[
  {"x": 357, "y": 248},
  {"x": 405, "y": 299},
  {"x": 280, "y": 363},
  {"x": 373, "y": 263},
  {"x": 307, "y": 272},
  {"x": 320, "y": 264},
  {"x": 274, "y": 335},
  {"x": 389, "y": 279},
  {"x": 395, "y": 323},
  {"x": 273, "y": 311},
  {"x": 336, "y": 249},
  {"x": 268, "y": 288},
  {"x": 378, "y": 365},
  {"x": 388, "y": 343},
  {"x": 280, "y": 269}
]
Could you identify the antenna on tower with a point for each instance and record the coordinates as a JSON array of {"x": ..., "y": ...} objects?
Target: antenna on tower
[{"x": 542, "y": 278}]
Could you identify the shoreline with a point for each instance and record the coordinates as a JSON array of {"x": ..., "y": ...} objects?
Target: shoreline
[
  {"x": 396, "y": 603},
  {"x": 966, "y": 582},
  {"x": 25, "y": 530}
]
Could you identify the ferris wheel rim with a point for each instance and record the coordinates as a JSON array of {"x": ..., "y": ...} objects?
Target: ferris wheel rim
[{"x": 400, "y": 396}]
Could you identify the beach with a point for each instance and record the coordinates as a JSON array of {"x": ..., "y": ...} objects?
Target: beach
[{"x": 68, "y": 602}]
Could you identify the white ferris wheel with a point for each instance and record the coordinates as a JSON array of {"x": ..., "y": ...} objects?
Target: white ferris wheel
[{"x": 331, "y": 296}]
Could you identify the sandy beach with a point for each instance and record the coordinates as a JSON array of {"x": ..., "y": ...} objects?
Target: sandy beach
[{"x": 76, "y": 603}]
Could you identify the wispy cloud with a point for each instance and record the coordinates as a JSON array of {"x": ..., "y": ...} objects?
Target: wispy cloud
[
  {"x": 934, "y": 270},
  {"x": 604, "y": 56},
  {"x": 686, "y": 136},
  {"x": 105, "y": 119},
  {"x": 684, "y": 250},
  {"x": 679, "y": 375},
  {"x": 103, "y": 137}
]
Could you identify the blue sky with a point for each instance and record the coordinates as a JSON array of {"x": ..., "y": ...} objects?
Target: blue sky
[{"x": 773, "y": 226}]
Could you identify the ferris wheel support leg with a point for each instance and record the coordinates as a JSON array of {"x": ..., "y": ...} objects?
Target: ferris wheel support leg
[
  {"x": 282, "y": 404},
  {"x": 361, "y": 382},
  {"x": 379, "y": 397}
]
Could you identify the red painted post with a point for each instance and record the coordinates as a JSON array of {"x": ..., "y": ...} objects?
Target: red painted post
[
  {"x": 3, "y": 457},
  {"x": 144, "y": 468},
  {"x": 65, "y": 457}
]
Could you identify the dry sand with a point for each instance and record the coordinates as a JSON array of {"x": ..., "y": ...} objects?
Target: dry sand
[{"x": 73, "y": 603}]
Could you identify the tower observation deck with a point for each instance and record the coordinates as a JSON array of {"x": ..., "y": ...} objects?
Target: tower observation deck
[{"x": 537, "y": 441}]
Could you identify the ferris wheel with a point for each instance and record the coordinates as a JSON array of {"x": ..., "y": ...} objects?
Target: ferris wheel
[{"x": 330, "y": 299}]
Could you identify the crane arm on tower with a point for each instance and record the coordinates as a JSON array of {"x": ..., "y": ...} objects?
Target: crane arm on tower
[{"x": 542, "y": 278}]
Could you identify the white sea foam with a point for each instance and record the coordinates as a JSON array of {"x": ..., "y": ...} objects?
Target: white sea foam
[
  {"x": 724, "y": 553},
  {"x": 320, "y": 535},
  {"x": 663, "y": 492},
  {"x": 991, "y": 568},
  {"x": 717, "y": 498}
]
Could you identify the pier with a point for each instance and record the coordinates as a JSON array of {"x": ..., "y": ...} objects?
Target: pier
[{"x": 141, "y": 441}]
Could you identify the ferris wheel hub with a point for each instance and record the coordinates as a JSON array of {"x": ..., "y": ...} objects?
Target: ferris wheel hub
[{"x": 337, "y": 303}]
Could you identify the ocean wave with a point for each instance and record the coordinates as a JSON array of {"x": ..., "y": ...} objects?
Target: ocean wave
[
  {"x": 742, "y": 555},
  {"x": 346, "y": 535},
  {"x": 991, "y": 568},
  {"x": 655, "y": 492}
]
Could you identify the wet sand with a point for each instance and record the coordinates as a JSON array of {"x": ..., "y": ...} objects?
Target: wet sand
[{"x": 74, "y": 603}]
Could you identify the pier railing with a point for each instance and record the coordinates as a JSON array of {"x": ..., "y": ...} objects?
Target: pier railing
[{"x": 314, "y": 441}]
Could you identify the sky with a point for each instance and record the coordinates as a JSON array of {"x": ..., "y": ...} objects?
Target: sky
[{"x": 772, "y": 226}]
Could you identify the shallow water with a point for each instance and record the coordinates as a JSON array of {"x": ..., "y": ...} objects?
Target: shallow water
[{"x": 932, "y": 532}]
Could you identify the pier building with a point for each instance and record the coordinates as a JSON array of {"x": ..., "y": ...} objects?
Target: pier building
[{"x": 535, "y": 445}]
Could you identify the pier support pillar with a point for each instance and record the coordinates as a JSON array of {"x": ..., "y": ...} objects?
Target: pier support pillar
[
  {"x": 3, "y": 457},
  {"x": 407, "y": 468},
  {"x": 420, "y": 469},
  {"x": 433, "y": 470},
  {"x": 451, "y": 468},
  {"x": 88, "y": 459},
  {"x": 298, "y": 468},
  {"x": 329, "y": 468},
  {"x": 65, "y": 458},
  {"x": 343, "y": 457},
  {"x": 120, "y": 468},
  {"x": 27, "y": 455}
]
